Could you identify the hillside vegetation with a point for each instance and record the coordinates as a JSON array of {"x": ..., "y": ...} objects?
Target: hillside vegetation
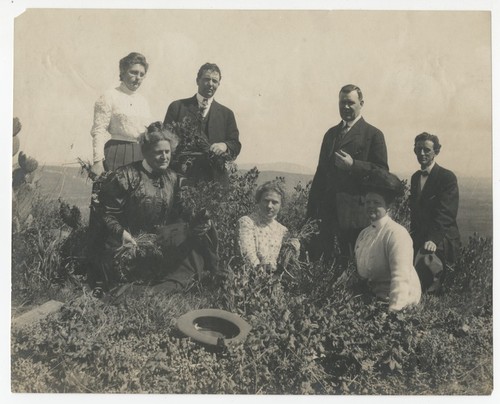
[{"x": 314, "y": 330}]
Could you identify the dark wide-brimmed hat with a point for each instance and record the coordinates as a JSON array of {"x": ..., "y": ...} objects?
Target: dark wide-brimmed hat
[
  {"x": 428, "y": 262},
  {"x": 214, "y": 327},
  {"x": 384, "y": 182},
  {"x": 429, "y": 269}
]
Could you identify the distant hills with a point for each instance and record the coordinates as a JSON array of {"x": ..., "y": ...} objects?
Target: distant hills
[
  {"x": 475, "y": 211},
  {"x": 279, "y": 166},
  {"x": 291, "y": 179},
  {"x": 292, "y": 168}
]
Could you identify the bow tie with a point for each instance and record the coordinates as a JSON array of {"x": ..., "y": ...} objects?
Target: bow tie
[{"x": 424, "y": 173}]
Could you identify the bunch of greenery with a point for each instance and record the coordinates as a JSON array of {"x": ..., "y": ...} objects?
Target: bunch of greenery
[
  {"x": 225, "y": 204},
  {"x": 193, "y": 144},
  {"x": 132, "y": 261},
  {"x": 46, "y": 252}
]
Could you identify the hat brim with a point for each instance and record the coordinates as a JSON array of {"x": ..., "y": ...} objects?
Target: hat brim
[
  {"x": 213, "y": 327},
  {"x": 428, "y": 260}
]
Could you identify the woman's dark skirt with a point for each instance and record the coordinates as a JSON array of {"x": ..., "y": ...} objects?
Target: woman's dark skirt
[{"x": 118, "y": 153}]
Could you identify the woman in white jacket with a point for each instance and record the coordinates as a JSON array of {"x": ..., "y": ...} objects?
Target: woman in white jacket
[{"x": 384, "y": 250}]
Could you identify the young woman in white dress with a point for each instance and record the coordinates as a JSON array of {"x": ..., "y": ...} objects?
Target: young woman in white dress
[{"x": 260, "y": 235}]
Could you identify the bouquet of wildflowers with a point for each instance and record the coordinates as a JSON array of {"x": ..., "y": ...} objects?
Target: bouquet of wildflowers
[
  {"x": 138, "y": 263},
  {"x": 193, "y": 144}
]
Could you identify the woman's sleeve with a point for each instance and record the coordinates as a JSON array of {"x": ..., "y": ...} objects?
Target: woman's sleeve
[
  {"x": 246, "y": 240},
  {"x": 178, "y": 211},
  {"x": 113, "y": 197},
  {"x": 99, "y": 131},
  {"x": 358, "y": 249},
  {"x": 400, "y": 254}
]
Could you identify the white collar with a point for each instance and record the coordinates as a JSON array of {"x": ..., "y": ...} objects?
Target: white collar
[
  {"x": 351, "y": 123},
  {"x": 200, "y": 99},
  {"x": 147, "y": 167},
  {"x": 378, "y": 224},
  {"x": 262, "y": 219},
  {"x": 124, "y": 89},
  {"x": 429, "y": 169}
]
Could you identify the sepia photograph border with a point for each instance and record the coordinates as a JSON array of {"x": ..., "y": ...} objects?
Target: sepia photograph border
[{"x": 9, "y": 12}]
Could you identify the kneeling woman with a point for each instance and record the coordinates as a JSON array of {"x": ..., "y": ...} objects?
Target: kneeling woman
[
  {"x": 260, "y": 236},
  {"x": 143, "y": 197},
  {"x": 384, "y": 250}
]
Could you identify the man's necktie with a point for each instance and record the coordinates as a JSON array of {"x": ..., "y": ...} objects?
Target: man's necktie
[
  {"x": 203, "y": 108},
  {"x": 424, "y": 173},
  {"x": 342, "y": 134}
]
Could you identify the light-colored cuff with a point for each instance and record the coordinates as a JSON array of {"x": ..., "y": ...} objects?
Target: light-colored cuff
[{"x": 98, "y": 143}]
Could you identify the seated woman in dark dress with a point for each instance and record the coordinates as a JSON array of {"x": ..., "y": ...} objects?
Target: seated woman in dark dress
[{"x": 143, "y": 198}]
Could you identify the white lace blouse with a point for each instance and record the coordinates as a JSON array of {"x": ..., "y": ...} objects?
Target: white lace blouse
[
  {"x": 384, "y": 256},
  {"x": 119, "y": 114},
  {"x": 260, "y": 240}
]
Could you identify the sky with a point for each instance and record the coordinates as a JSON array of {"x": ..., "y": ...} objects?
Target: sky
[{"x": 281, "y": 73}]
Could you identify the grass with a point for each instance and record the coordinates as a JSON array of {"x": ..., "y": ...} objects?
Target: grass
[{"x": 313, "y": 333}]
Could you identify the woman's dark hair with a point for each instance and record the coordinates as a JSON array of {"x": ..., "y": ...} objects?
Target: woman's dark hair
[
  {"x": 156, "y": 133},
  {"x": 131, "y": 59},
  {"x": 275, "y": 186},
  {"x": 389, "y": 196},
  {"x": 209, "y": 66},
  {"x": 384, "y": 183}
]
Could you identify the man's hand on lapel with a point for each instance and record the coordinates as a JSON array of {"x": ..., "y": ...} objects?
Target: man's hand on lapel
[{"x": 343, "y": 160}]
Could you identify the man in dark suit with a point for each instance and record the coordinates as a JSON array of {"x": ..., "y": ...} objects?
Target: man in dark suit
[
  {"x": 433, "y": 207},
  {"x": 214, "y": 121},
  {"x": 348, "y": 152}
]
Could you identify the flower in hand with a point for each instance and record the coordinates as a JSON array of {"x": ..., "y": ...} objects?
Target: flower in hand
[
  {"x": 128, "y": 240},
  {"x": 295, "y": 243},
  {"x": 199, "y": 230}
]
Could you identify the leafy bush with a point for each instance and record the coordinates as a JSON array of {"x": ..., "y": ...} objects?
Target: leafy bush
[
  {"x": 45, "y": 252},
  {"x": 472, "y": 275},
  {"x": 226, "y": 204}
]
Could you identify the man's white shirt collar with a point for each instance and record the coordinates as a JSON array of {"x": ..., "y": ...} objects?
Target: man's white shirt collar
[
  {"x": 200, "y": 99},
  {"x": 351, "y": 124},
  {"x": 429, "y": 169}
]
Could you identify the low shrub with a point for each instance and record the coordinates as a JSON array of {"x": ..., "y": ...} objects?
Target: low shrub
[
  {"x": 238, "y": 201},
  {"x": 46, "y": 253}
]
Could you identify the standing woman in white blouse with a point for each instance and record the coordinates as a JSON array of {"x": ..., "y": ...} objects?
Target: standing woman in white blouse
[
  {"x": 384, "y": 250},
  {"x": 120, "y": 116},
  {"x": 260, "y": 236}
]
